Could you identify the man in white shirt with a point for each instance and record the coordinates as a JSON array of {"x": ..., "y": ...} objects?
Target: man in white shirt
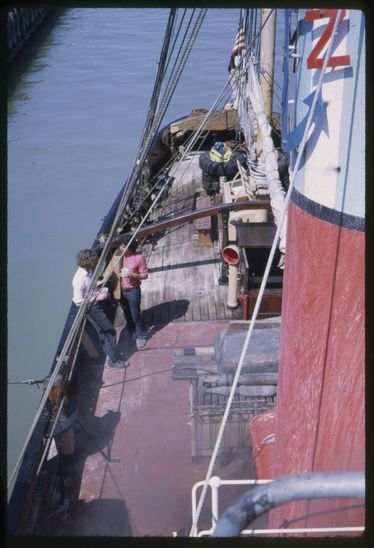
[{"x": 87, "y": 261}]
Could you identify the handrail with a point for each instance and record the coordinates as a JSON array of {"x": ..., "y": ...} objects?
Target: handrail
[
  {"x": 289, "y": 488},
  {"x": 198, "y": 214},
  {"x": 214, "y": 483}
]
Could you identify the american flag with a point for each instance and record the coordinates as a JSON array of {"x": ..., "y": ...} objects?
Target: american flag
[{"x": 239, "y": 46}]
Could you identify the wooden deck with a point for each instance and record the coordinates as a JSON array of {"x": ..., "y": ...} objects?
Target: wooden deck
[{"x": 183, "y": 284}]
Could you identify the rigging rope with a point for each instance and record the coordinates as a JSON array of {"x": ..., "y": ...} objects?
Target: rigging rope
[
  {"x": 129, "y": 185},
  {"x": 161, "y": 70},
  {"x": 61, "y": 360},
  {"x": 29, "y": 381},
  {"x": 235, "y": 74},
  {"x": 165, "y": 102},
  {"x": 193, "y": 531},
  {"x": 179, "y": 67},
  {"x": 276, "y": 190}
]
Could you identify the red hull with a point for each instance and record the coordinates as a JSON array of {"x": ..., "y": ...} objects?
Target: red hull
[{"x": 320, "y": 423}]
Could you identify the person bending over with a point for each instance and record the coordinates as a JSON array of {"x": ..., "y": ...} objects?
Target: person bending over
[{"x": 87, "y": 260}]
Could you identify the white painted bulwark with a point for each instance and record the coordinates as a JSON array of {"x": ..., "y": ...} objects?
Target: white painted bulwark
[{"x": 333, "y": 171}]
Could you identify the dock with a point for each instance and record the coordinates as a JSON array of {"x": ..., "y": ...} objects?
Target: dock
[{"x": 22, "y": 23}]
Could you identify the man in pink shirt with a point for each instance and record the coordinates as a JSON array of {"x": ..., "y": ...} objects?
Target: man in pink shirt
[{"x": 134, "y": 270}]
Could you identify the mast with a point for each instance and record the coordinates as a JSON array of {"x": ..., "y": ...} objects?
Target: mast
[
  {"x": 267, "y": 55},
  {"x": 261, "y": 97}
]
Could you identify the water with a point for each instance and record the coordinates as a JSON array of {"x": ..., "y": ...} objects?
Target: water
[{"x": 75, "y": 118}]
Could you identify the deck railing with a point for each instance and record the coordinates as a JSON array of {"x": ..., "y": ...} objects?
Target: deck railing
[{"x": 215, "y": 483}]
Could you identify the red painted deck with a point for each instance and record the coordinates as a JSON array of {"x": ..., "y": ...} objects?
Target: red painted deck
[{"x": 141, "y": 420}]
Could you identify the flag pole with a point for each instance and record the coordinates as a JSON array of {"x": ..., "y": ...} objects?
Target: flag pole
[{"x": 267, "y": 55}]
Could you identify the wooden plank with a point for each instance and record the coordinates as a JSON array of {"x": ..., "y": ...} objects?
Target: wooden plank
[
  {"x": 204, "y": 238},
  {"x": 204, "y": 309},
  {"x": 243, "y": 325},
  {"x": 219, "y": 120},
  {"x": 203, "y": 224},
  {"x": 178, "y": 268},
  {"x": 196, "y": 362},
  {"x": 190, "y": 371}
]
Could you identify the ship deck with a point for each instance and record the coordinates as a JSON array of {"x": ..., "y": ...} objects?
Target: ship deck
[
  {"x": 134, "y": 444},
  {"x": 135, "y": 468},
  {"x": 184, "y": 270}
]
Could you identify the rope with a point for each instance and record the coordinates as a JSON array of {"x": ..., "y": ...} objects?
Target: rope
[
  {"x": 60, "y": 361},
  {"x": 162, "y": 68},
  {"x": 145, "y": 149},
  {"x": 130, "y": 183},
  {"x": 29, "y": 381},
  {"x": 147, "y": 142},
  {"x": 180, "y": 66},
  {"x": 193, "y": 531},
  {"x": 269, "y": 155},
  {"x": 120, "y": 256},
  {"x": 233, "y": 77}
]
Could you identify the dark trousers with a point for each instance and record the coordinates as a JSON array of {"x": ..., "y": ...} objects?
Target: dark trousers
[
  {"x": 130, "y": 300},
  {"x": 105, "y": 330}
]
